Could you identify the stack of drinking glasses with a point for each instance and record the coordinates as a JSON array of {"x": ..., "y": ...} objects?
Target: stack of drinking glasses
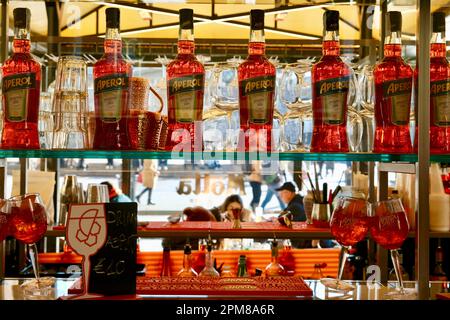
[
  {"x": 46, "y": 123},
  {"x": 296, "y": 94},
  {"x": 70, "y": 104},
  {"x": 225, "y": 96}
]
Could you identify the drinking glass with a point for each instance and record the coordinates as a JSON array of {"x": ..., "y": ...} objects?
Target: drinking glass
[
  {"x": 296, "y": 94},
  {"x": 28, "y": 221},
  {"x": 226, "y": 95},
  {"x": 46, "y": 123},
  {"x": 355, "y": 129},
  {"x": 349, "y": 224},
  {"x": 366, "y": 84},
  {"x": 70, "y": 104},
  {"x": 86, "y": 235},
  {"x": 389, "y": 228},
  {"x": 97, "y": 193}
]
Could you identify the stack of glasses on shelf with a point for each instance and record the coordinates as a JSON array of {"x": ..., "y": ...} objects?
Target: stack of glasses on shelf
[{"x": 256, "y": 104}]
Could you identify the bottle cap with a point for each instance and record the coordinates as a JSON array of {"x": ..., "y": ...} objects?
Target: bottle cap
[
  {"x": 438, "y": 22},
  {"x": 331, "y": 20},
  {"x": 394, "y": 20},
  {"x": 187, "y": 249},
  {"x": 186, "y": 19},
  {"x": 22, "y": 18},
  {"x": 113, "y": 18},
  {"x": 257, "y": 19},
  {"x": 165, "y": 249}
]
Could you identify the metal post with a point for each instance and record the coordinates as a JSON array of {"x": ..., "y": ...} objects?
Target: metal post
[
  {"x": 2, "y": 196},
  {"x": 383, "y": 13},
  {"x": 366, "y": 29},
  {"x": 23, "y": 175},
  {"x": 52, "y": 30},
  {"x": 372, "y": 198},
  {"x": 423, "y": 62},
  {"x": 126, "y": 176},
  {"x": 382, "y": 254},
  {"x": 4, "y": 36},
  {"x": 52, "y": 165},
  {"x": 20, "y": 251}
]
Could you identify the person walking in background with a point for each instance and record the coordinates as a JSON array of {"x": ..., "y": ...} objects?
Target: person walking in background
[
  {"x": 110, "y": 163},
  {"x": 273, "y": 181},
  {"x": 116, "y": 195},
  {"x": 255, "y": 179},
  {"x": 148, "y": 174}
]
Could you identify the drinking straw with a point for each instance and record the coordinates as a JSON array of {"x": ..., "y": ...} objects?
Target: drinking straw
[
  {"x": 317, "y": 183},
  {"x": 335, "y": 192},
  {"x": 316, "y": 199}
]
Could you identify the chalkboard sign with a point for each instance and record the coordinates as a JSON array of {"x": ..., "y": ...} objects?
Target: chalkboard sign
[{"x": 113, "y": 267}]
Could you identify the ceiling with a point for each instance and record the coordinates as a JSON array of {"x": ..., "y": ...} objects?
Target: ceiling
[{"x": 219, "y": 19}]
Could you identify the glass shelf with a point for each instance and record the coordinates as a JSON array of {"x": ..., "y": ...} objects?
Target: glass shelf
[{"x": 289, "y": 156}]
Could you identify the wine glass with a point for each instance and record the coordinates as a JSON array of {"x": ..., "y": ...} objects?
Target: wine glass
[
  {"x": 389, "y": 228},
  {"x": 296, "y": 94},
  {"x": 349, "y": 225},
  {"x": 226, "y": 94},
  {"x": 28, "y": 223},
  {"x": 86, "y": 234}
]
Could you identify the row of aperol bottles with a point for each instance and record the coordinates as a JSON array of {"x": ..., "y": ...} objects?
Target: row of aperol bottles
[{"x": 185, "y": 87}]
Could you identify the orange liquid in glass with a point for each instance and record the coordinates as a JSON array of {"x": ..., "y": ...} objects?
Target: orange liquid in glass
[{"x": 29, "y": 224}]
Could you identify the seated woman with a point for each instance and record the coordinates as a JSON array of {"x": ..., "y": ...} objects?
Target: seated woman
[{"x": 224, "y": 211}]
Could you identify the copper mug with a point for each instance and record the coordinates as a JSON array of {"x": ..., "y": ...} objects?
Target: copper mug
[{"x": 144, "y": 126}]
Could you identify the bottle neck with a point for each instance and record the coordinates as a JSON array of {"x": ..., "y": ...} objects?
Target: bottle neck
[
  {"x": 331, "y": 46},
  {"x": 186, "y": 44},
  {"x": 274, "y": 255},
  {"x": 208, "y": 259},
  {"x": 21, "y": 42},
  {"x": 187, "y": 261},
  {"x": 393, "y": 44},
  {"x": 438, "y": 46},
  {"x": 439, "y": 255},
  {"x": 257, "y": 43},
  {"x": 166, "y": 256},
  {"x": 113, "y": 41}
]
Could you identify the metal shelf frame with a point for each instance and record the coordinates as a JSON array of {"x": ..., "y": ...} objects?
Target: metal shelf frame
[{"x": 422, "y": 160}]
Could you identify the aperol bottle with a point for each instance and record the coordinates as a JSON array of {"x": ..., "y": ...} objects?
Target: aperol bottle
[
  {"x": 185, "y": 89},
  {"x": 256, "y": 76},
  {"x": 393, "y": 87},
  {"x": 111, "y": 87},
  {"x": 439, "y": 90},
  {"x": 330, "y": 87},
  {"x": 21, "y": 88}
]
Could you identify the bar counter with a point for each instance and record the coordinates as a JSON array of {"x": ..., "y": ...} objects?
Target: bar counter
[{"x": 10, "y": 290}]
